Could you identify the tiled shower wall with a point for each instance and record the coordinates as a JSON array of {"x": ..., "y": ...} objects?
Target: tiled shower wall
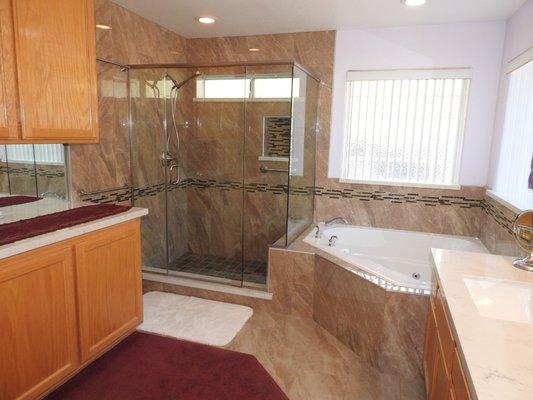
[{"x": 106, "y": 165}]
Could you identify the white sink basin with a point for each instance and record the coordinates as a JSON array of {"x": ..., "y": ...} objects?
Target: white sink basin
[{"x": 503, "y": 300}]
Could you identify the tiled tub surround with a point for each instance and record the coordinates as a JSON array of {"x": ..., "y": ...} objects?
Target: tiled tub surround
[
  {"x": 385, "y": 329},
  {"x": 395, "y": 260},
  {"x": 488, "y": 303}
]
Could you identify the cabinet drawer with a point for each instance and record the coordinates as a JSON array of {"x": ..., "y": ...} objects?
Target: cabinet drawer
[{"x": 445, "y": 332}]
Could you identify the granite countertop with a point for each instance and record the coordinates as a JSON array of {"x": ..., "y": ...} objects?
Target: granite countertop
[
  {"x": 491, "y": 308},
  {"x": 51, "y": 205}
]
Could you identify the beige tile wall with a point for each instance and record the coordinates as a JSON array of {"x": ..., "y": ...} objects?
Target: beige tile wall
[{"x": 135, "y": 40}]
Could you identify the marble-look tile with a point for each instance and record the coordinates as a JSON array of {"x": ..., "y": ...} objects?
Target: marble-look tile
[
  {"x": 305, "y": 360},
  {"x": 291, "y": 281},
  {"x": 496, "y": 229},
  {"x": 133, "y": 39},
  {"x": 444, "y": 219},
  {"x": 310, "y": 364},
  {"x": 105, "y": 165},
  {"x": 383, "y": 328},
  {"x": 255, "y": 303}
]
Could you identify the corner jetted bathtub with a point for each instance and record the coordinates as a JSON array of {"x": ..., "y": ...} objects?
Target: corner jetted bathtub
[{"x": 394, "y": 259}]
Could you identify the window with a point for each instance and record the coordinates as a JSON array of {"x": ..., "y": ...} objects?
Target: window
[
  {"x": 29, "y": 153},
  {"x": 258, "y": 88},
  {"x": 405, "y": 127},
  {"x": 515, "y": 163}
]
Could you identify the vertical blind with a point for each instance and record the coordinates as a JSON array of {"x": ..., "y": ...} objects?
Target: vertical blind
[
  {"x": 405, "y": 126},
  {"x": 42, "y": 153},
  {"x": 516, "y": 150}
]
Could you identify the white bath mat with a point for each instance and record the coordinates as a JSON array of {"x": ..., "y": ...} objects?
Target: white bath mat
[{"x": 190, "y": 318}]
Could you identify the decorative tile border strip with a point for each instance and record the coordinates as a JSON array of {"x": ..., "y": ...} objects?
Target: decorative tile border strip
[
  {"x": 400, "y": 198},
  {"x": 279, "y": 189},
  {"x": 42, "y": 172},
  {"x": 496, "y": 211}
]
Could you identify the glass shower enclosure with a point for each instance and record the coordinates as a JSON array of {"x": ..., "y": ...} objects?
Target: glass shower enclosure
[{"x": 224, "y": 159}]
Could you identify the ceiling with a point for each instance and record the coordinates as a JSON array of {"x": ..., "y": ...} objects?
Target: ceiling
[{"x": 251, "y": 17}]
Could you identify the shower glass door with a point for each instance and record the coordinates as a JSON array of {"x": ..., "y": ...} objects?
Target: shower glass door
[
  {"x": 210, "y": 124},
  {"x": 187, "y": 159}
]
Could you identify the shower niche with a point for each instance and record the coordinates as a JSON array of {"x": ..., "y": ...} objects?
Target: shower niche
[{"x": 224, "y": 158}]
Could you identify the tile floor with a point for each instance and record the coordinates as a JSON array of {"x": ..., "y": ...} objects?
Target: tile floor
[
  {"x": 220, "y": 267},
  {"x": 306, "y": 361}
]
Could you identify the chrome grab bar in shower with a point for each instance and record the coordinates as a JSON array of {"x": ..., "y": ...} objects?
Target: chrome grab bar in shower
[
  {"x": 82, "y": 192},
  {"x": 265, "y": 170}
]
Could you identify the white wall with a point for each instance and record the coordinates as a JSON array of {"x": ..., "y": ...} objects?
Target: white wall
[
  {"x": 475, "y": 45},
  {"x": 518, "y": 38}
]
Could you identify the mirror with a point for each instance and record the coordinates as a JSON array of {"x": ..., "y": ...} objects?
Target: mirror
[
  {"x": 523, "y": 232},
  {"x": 33, "y": 170}
]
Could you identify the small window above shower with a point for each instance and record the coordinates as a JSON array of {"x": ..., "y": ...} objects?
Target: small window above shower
[{"x": 259, "y": 88}]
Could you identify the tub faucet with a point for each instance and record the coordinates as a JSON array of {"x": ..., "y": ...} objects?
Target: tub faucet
[
  {"x": 332, "y": 241},
  {"x": 336, "y": 219}
]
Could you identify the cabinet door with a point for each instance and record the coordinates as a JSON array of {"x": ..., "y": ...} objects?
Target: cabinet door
[
  {"x": 459, "y": 380},
  {"x": 9, "y": 123},
  {"x": 108, "y": 273},
  {"x": 441, "y": 381},
  {"x": 430, "y": 348},
  {"x": 38, "y": 335},
  {"x": 56, "y": 63}
]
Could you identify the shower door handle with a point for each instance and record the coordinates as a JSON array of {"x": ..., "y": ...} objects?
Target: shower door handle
[{"x": 173, "y": 167}]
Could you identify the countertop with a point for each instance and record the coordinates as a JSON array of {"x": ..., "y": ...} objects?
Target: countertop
[
  {"x": 491, "y": 308},
  {"x": 51, "y": 205}
]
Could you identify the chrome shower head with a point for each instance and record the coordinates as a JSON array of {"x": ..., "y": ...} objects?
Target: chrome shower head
[{"x": 178, "y": 85}]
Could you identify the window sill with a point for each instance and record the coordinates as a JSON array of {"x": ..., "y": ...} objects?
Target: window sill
[
  {"x": 243, "y": 100},
  {"x": 401, "y": 184}
]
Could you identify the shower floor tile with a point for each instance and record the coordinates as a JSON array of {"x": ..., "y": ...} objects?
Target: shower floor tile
[{"x": 220, "y": 267}]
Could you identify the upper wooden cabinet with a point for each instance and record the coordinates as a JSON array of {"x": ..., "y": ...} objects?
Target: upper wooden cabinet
[
  {"x": 52, "y": 44},
  {"x": 9, "y": 120}
]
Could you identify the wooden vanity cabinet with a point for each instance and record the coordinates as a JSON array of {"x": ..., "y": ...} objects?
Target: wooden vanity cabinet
[
  {"x": 48, "y": 72},
  {"x": 443, "y": 371},
  {"x": 105, "y": 260},
  {"x": 63, "y": 305},
  {"x": 38, "y": 334}
]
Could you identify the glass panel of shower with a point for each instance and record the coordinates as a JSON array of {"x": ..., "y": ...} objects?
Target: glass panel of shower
[
  {"x": 301, "y": 198},
  {"x": 267, "y": 143},
  {"x": 215, "y": 159}
]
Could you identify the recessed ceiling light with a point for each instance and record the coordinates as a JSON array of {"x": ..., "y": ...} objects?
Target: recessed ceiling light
[
  {"x": 414, "y": 3},
  {"x": 206, "y": 20},
  {"x": 105, "y": 27},
  {"x": 253, "y": 49}
]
